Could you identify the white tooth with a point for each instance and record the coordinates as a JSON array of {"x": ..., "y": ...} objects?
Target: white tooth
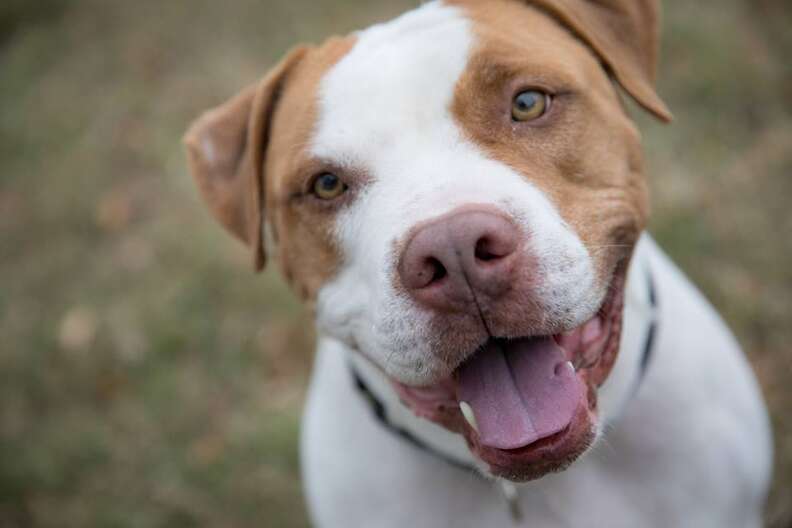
[
  {"x": 467, "y": 412},
  {"x": 566, "y": 365}
]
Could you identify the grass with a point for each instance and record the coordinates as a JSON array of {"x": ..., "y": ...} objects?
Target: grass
[{"x": 147, "y": 378}]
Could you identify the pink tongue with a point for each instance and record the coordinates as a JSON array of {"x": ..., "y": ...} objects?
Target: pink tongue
[{"x": 520, "y": 391}]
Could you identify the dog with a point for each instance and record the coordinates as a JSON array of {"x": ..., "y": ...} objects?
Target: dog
[{"x": 459, "y": 195}]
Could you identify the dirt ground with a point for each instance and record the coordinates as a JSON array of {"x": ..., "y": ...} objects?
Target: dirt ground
[{"x": 148, "y": 378}]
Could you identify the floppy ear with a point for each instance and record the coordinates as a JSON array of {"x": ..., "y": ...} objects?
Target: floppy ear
[
  {"x": 624, "y": 34},
  {"x": 226, "y": 148}
]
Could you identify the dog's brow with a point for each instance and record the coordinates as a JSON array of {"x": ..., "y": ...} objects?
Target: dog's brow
[{"x": 494, "y": 69}]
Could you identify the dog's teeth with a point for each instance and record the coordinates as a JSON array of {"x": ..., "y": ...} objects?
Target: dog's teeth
[
  {"x": 570, "y": 366},
  {"x": 467, "y": 412}
]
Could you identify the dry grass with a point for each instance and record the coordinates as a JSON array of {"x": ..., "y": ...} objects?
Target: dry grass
[{"x": 148, "y": 379}]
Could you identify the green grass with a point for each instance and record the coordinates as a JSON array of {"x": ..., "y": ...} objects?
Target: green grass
[{"x": 148, "y": 378}]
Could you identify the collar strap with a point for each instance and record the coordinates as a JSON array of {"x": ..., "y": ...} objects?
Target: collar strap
[
  {"x": 381, "y": 414},
  {"x": 651, "y": 332}
]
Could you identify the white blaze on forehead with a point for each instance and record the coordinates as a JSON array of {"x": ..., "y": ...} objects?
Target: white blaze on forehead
[
  {"x": 384, "y": 110},
  {"x": 398, "y": 77}
]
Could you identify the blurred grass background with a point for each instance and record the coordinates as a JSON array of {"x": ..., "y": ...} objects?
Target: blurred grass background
[{"x": 148, "y": 378}]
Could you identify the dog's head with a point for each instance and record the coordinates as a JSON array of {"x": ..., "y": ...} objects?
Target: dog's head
[{"x": 459, "y": 192}]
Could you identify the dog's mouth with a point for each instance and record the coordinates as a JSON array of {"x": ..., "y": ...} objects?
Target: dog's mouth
[{"x": 528, "y": 406}]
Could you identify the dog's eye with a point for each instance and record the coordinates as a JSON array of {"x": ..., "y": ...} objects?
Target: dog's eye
[
  {"x": 328, "y": 186},
  {"x": 529, "y": 105}
]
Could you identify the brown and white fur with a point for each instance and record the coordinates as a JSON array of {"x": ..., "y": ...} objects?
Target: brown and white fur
[{"x": 413, "y": 116}]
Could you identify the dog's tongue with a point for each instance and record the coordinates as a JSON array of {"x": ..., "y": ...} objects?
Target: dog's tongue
[{"x": 520, "y": 391}]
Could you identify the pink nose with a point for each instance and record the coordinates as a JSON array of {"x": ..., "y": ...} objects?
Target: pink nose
[{"x": 465, "y": 253}]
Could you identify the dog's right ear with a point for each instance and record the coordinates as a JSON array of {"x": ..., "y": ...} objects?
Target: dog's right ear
[
  {"x": 624, "y": 34},
  {"x": 226, "y": 150}
]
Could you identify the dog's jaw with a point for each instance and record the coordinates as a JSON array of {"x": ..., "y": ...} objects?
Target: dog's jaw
[{"x": 588, "y": 353}]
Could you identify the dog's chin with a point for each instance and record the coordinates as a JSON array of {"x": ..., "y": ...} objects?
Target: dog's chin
[{"x": 546, "y": 422}]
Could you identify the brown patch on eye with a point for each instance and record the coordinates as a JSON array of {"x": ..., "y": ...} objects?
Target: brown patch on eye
[
  {"x": 585, "y": 154},
  {"x": 307, "y": 251}
]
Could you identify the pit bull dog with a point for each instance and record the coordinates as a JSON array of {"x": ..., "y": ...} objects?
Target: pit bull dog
[{"x": 459, "y": 194}]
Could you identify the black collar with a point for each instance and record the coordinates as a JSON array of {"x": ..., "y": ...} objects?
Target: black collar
[
  {"x": 380, "y": 414},
  {"x": 651, "y": 332}
]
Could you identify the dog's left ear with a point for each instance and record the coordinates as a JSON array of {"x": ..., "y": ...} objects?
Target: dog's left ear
[
  {"x": 226, "y": 148},
  {"x": 625, "y": 36}
]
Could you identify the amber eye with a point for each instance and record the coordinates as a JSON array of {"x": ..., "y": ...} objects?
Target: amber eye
[
  {"x": 328, "y": 186},
  {"x": 529, "y": 105}
]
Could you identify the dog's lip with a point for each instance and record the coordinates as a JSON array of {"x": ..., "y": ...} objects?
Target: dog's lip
[{"x": 550, "y": 454}]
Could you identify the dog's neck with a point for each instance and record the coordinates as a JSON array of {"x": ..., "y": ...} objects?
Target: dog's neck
[{"x": 639, "y": 318}]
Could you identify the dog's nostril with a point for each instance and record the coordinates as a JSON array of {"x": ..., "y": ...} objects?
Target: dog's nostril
[
  {"x": 435, "y": 270},
  {"x": 484, "y": 250}
]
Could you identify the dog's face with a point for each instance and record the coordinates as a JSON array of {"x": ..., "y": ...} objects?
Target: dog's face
[{"x": 458, "y": 191}]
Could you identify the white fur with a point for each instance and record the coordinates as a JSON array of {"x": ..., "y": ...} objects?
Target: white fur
[{"x": 384, "y": 110}]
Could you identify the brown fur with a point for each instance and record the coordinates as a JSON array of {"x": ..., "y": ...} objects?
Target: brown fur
[
  {"x": 624, "y": 34},
  {"x": 584, "y": 153},
  {"x": 225, "y": 148},
  {"x": 307, "y": 252},
  {"x": 258, "y": 142}
]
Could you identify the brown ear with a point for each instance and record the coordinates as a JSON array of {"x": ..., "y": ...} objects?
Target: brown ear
[
  {"x": 624, "y": 34},
  {"x": 226, "y": 148}
]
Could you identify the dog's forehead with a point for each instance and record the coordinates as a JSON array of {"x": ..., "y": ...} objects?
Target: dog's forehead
[{"x": 399, "y": 76}]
